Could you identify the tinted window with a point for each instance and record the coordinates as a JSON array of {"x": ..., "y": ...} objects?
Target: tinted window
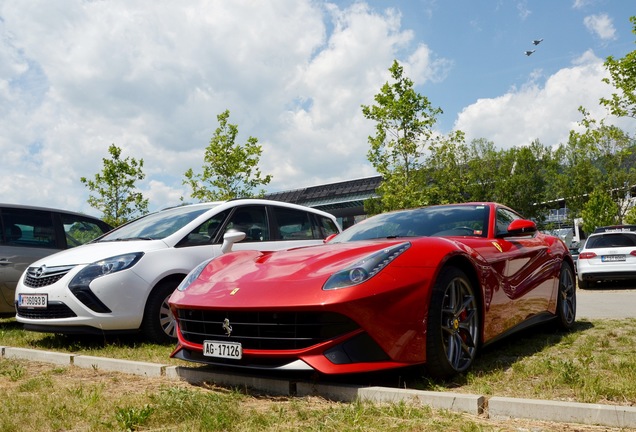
[
  {"x": 294, "y": 224},
  {"x": 504, "y": 218},
  {"x": 611, "y": 240},
  {"x": 79, "y": 230},
  {"x": 252, "y": 220},
  {"x": 27, "y": 227},
  {"x": 207, "y": 232},
  {"x": 326, "y": 226},
  {"x": 430, "y": 221}
]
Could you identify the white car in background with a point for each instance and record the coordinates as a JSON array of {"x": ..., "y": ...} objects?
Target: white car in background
[
  {"x": 122, "y": 281},
  {"x": 609, "y": 254}
]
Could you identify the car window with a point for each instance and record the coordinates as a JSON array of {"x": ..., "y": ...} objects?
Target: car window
[
  {"x": 611, "y": 240},
  {"x": 460, "y": 220},
  {"x": 504, "y": 218},
  {"x": 29, "y": 228},
  {"x": 207, "y": 232},
  {"x": 295, "y": 224},
  {"x": 79, "y": 230},
  {"x": 326, "y": 226},
  {"x": 252, "y": 220},
  {"x": 157, "y": 225}
]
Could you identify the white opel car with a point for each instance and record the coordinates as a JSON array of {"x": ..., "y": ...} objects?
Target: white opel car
[
  {"x": 121, "y": 282},
  {"x": 609, "y": 254}
]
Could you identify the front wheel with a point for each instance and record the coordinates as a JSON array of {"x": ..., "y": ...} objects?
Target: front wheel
[
  {"x": 453, "y": 325},
  {"x": 566, "y": 300},
  {"x": 159, "y": 325}
]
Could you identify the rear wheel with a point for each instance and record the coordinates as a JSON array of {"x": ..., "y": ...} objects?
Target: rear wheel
[
  {"x": 453, "y": 325},
  {"x": 583, "y": 284},
  {"x": 566, "y": 301},
  {"x": 159, "y": 325}
]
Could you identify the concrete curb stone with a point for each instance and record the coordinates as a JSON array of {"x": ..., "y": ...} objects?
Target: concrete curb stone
[
  {"x": 493, "y": 407},
  {"x": 567, "y": 412}
]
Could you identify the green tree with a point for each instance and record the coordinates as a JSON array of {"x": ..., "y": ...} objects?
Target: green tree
[
  {"x": 487, "y": 166},
  {"x": 446, "y": 170},
  {"x": 598, "y": 158},
  {"x": 115, "y": 193},
  {"x": 404, "y": 121},
  {"x": 600, "y": 210},
  {"x": 578, "y": 173},
  {"x": 623, "y": 78},
  {"x": 230, "y": 170},
  {"x": 524, "y": 180},
  {"x": 630, "y": 216}
]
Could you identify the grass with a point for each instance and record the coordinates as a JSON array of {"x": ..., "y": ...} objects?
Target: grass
[{"x": 595, "y": 363}]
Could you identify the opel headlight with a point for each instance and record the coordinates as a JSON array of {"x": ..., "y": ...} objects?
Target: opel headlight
[
  {"x": 103, "y": 268},
  {"x": 365, "y": 269}
]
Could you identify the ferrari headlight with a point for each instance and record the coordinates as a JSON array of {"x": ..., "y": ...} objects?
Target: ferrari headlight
[
  {"x": 103, "y": 268},
  {"x": 365, "y": 269},
  {"x": 192, "y": 276}
]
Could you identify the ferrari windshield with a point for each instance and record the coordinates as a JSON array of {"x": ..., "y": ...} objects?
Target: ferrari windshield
[
  {"x": 156, "y": 226},
  {"x": 451, "y": 220}
]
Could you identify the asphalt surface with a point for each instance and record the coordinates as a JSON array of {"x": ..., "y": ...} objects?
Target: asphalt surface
[{"x": 609, "y": 302}]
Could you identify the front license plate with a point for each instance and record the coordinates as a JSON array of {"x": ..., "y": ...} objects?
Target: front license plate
[
  {"x": 612, "y": 258},
  {"x": 229, "y": 350},
  {"x": 34, "y": 301}
]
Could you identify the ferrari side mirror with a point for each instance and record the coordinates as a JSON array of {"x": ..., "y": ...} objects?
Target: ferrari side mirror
[{"x": 521, "y": 227}]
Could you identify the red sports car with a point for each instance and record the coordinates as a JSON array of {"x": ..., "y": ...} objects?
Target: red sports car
[{"x": 423, "y": 286}]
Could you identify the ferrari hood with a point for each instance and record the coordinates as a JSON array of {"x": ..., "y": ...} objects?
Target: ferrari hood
[
  {"x": 297, "y": 264},
  {"x": 294, "y": 276}
]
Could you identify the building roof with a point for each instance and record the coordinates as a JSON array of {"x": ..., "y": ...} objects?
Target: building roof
[{"x": 344, "y": 198}]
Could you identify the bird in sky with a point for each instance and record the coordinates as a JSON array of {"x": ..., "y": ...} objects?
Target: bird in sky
[
  {"x": 537, "y": 41},
  {"x": 530, "y": 52}
]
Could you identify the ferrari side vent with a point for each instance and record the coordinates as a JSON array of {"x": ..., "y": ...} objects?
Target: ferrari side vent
[{"x": 263, "y": 330}]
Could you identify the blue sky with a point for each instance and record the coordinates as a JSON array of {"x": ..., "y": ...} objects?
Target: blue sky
[{"x": 151, "y": 76}]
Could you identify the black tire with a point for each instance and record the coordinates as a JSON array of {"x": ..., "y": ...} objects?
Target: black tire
[
  {"x": 454, "y": 325},
  {"x": 159, "y": 325},
  {"x": 566, "y": 298},
  {"x": 583, "y": 284}
]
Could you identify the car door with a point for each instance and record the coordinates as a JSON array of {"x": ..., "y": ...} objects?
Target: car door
[
  {"x": 27, "y": 236},
  {"x": 525, "y": 268}
]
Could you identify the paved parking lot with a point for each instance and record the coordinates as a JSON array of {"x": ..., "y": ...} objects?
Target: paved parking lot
[{"x": 610, "y": 302}]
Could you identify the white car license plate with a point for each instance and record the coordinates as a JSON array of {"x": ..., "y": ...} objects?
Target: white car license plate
[
  {"x": 612, "y": 258},
  {"x": 35, "y": 301},
  {"x": 229, "y": 350}
]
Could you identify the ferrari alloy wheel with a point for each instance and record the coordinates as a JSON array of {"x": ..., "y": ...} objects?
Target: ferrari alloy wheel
[
  {"x": 453, "y": 325},
  {"x": 159, "y": 325},
  {"x": 566, "y": 301}
]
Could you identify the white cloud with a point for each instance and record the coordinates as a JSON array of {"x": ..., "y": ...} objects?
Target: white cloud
[
  {"x": 151, "y": 77},
  {"x": 600, "y": 25},
  {"x": 545, "y": 111},
  {"x": 522, "y": 9},
  {"x": 580, "y": 4}
]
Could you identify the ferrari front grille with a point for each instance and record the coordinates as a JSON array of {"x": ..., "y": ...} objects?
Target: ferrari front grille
[{"x": 263, "y": 330}]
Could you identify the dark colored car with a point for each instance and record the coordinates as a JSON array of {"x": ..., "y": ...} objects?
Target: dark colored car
[{"x": 30, "y": 233}]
